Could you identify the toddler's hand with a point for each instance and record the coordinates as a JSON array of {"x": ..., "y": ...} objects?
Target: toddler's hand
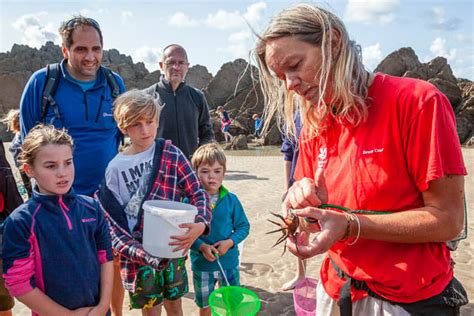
[
  {"x": 208, "y": 252},
  {"x": 185, "y": 241},
  {"x": 223, "y": 246}
]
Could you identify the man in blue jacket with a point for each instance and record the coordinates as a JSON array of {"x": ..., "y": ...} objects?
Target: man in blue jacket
[{"x": 82, "y": 101}]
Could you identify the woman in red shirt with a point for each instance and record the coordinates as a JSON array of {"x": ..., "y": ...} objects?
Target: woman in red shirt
[{"x": 385, "y": 148}]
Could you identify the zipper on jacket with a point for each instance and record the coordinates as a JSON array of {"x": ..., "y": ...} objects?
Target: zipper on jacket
[
  {"x": 176, "y": 118},
  {"x": 86, "y": 106},
  {"x": 65, "y": 209},
  {"x": 100, "y": 108}
]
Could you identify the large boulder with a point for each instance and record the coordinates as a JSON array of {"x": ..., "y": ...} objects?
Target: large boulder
[
  {"x": 12, "y": 85},
  {"x": 399, "y": 62},
  {"x": 405, "y": 63},
  {"x": 465, "y": 113},
  {"x": 232, "y": 78},
  {"x": 198, "y": 77}
]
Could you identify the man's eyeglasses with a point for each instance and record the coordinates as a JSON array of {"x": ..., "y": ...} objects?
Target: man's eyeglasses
[
  {"x": 178, "y": 64},
  {"x": 72, "y": 22}
]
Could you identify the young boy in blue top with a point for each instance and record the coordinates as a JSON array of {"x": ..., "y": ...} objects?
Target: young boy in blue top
[{"x": 229, "y": 227}]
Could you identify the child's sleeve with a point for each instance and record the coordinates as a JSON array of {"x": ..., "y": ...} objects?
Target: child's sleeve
[
  {"x": 19, "y": 244},
  {"x": 102, "y": 238},
  {"x": 240, "y": 222},
  {"x": 189, "y": 183},
  {"x": 197, "y": 244},
  {"x": 130, "y": 248}
]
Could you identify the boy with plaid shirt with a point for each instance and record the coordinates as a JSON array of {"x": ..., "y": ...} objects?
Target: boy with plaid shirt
[
  {"x": 229, "y": 227},
  {"x": 149, "y": 170}
]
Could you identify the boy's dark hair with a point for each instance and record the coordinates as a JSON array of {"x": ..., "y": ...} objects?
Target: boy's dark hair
[
  {"x": 209, "y": 154},
  {"x": 77, "y": 22}
]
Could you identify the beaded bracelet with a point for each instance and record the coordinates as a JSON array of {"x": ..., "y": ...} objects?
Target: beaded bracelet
[{"x": 348, "y": 228}]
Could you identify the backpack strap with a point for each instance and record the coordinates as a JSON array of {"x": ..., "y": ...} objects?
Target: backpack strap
[
  {"x": 50, "y": 87},
  {"x": 111, "y": 82}
]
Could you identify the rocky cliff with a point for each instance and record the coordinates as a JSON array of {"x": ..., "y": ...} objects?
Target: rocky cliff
[{"x": 234, "y": 86}]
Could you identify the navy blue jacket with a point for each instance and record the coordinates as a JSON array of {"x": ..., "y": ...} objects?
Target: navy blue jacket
[{"x": 57, "y": 244}]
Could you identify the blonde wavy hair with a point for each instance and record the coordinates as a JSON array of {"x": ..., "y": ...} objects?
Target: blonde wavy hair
[
  {"x": 341, "y": 70},
  {"x": 39, "y": 136},
  {"x": 12, "y": 120},
  {"x": 134, "y": 105}
]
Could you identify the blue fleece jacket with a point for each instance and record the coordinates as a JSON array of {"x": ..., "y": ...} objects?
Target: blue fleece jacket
[
  {"x": 87, "y": 116},
  {"x": 228, "y": 222},
  {"x": 57, "y": 244}
]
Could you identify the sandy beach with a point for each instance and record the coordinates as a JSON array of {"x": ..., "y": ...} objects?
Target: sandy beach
[{"x": 257, "y": 178}]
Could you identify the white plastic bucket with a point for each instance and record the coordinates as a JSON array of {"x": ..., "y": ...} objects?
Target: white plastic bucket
[{"x": 162, "y": 220}]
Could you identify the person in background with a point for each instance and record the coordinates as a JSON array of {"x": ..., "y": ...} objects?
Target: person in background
[
  {"x": 290, "y": 149},
  {"x": 258, "y": 125},
  {"x": 229, "y": 227},
  {"x": 10, "y": 199},
  {"x": 225, "y": 123},
  {"x": 12, "y": 121},
  {"x": 185, "y": 118},
  {"x": 383, "y": 151},
  {"x": 57, "y": 254}
]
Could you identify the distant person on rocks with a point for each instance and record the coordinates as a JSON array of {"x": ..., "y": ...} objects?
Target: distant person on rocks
[
  {"x": 258, "y": 125},
  {"x": 225, "y": 123},
  {"x": 185, "y": 116}
]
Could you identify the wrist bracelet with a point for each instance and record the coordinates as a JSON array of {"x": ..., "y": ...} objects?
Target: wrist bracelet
[
  {"x": 358, "y": 230},
  {"x": 348, "y": 228}
]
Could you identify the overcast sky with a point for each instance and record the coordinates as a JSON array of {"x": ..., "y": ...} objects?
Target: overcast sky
[{"x": 215, "y": 32}]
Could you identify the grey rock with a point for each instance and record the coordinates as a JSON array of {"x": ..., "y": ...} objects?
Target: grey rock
[
  {"x": 198, "y": 77},
  {"x": 399, "y": 62}
]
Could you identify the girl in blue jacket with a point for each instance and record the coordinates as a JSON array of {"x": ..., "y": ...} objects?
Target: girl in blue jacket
[{"x": 56, "y": 246}]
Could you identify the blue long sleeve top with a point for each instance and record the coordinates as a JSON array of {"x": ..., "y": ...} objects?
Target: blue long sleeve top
[
  {"x": 228, "y": 222},
  {"x": 57, "y": 244}
]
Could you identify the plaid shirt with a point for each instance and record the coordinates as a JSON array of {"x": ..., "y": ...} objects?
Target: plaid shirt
[{"x": 175, "y": 179}]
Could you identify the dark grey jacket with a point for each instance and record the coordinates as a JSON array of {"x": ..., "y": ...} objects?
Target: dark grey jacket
[{"x": 185, "y": 116}]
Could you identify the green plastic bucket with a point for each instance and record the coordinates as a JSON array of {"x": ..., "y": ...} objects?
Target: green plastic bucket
[{"x": 234, "y": 300}]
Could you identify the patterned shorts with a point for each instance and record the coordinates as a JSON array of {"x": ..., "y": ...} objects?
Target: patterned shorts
[
  {"x": 205, "y": 282},
  {"x": 153, "y": 287}
]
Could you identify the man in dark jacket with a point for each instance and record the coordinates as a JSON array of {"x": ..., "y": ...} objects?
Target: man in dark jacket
[{"x": 185, "y": 116}]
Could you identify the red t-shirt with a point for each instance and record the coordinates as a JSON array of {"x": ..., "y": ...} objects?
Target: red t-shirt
[{"x": 408, "y": 140}]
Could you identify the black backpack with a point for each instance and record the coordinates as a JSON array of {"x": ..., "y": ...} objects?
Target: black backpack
[{"x": 51, "y": 85}]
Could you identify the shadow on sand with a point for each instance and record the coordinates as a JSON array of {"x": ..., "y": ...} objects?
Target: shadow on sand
[{"x": 241, "y": 175}]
